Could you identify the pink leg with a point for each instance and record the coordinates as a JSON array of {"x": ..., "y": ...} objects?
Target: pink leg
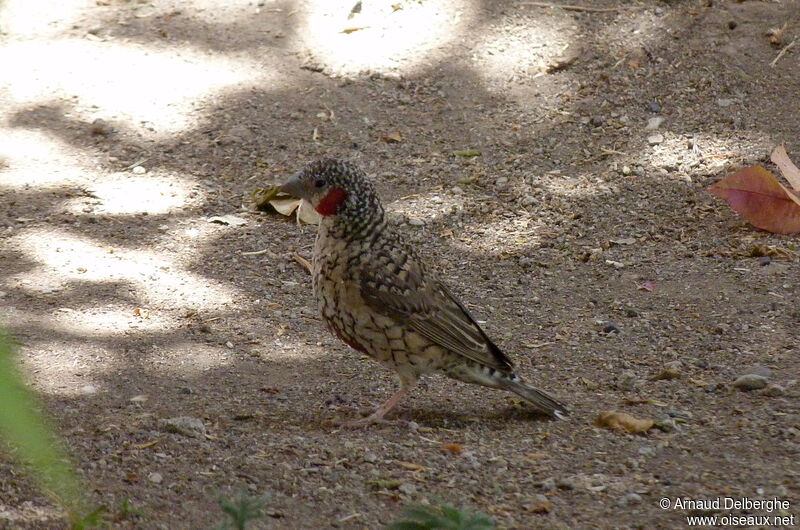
[{"x": 380, "y": 412}]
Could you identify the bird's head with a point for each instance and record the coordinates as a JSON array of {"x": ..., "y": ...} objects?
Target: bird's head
[{"x": 335, "y": 188}]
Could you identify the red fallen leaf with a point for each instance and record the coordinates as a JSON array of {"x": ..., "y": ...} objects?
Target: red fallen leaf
[{"x": 757, "y": 195}]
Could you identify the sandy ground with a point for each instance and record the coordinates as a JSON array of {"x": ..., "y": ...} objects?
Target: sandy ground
[{"x": 586, "y": 241}]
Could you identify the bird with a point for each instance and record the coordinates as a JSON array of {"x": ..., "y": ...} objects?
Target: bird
[{"x": 377, "y": 295}]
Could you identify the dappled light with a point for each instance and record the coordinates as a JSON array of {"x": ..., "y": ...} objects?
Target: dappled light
[
  {"x": 125, "y": 194},
  {"x": 382, "y": 37},
  {"x": 153, "y": 91},
  {"x": 38, "y": 159},
  {"x": 63, "y": 257}
]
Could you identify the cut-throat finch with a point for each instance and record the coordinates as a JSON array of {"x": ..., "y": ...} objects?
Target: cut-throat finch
[{"x": 379, "y": 298}]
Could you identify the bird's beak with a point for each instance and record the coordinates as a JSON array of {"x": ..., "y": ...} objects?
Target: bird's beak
[{"x": 294, "y": 187}]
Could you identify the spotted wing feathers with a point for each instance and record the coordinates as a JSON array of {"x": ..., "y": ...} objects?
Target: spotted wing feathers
[{"x": 398, "y": 286}]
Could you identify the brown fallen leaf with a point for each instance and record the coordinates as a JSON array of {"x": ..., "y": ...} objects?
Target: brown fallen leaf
[
  {"x": 757, "y": 195},
  {"x": 776, "y": 34},
  {"x": 621, "y": 421},
  {"x": 393, "y": 137},
  {"x": 789, "y": 171},
  {"x": 452, "y": 448}
]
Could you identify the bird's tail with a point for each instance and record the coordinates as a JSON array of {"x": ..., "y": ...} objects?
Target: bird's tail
[{"x": 539, "y": 399}]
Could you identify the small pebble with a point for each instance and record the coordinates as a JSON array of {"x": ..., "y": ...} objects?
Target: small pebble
[
  {"x": 666, "y": 425},
  {"x": 416, "y": 222},
  {"x": 101, "y": 127},
  {"x": 138, "y": 170},
  {"x": 548, "y": 484},
  {"x": 774, "y": 390},
  {"x": 630, "y": 499},
  {"x": 749, "y": 382},
  {"x": 725, "y": 102},
  {"x": 185, "y": 425},
  {"x": 647, "y": 451},
  {"x": 654, "y": 106},
  {"x": 155, "y": 478},
  {"x": 565, "y": 484},
  {"x": 501, "y": 181},
  {"x": 670, "y": 370},
  {"x": 407, "y": 488},
  {"x": 655, "y": 139},
  {"x": 540, "y": 504},
  {"x": 370, "y": 457},
  {"x": 88, "y": 390},
  {"x": 757, "y": 369},
  {"x": 626, "y": 170},
  {"x": 764, "y": 260},
  {"x": 654, "y": 123},
  {"x": 627, "y": 380}
]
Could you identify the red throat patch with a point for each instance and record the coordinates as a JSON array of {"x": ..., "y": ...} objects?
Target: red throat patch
[{"x": 331, "y": 201}]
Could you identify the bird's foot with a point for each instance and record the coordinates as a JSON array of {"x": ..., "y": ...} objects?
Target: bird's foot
[{"x": 380, "y": 412}]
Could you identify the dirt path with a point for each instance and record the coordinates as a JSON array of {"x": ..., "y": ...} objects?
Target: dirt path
[{"x": 585, "y": 240}]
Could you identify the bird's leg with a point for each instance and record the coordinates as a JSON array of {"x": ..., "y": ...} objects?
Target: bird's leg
[{"x": 380, "y": 412}]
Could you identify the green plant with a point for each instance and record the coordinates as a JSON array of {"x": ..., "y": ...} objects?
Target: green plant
[
  {"x": 440, "y": 517},
  {"x": 27, "y": 432},
  {"x": 240, "y": 509}
]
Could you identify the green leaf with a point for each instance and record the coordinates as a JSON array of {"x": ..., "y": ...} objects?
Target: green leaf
[
  {"x": 24, "y": 427},
  {"x": 441, "y": 517},
  {"x": 241, "y": 509}
]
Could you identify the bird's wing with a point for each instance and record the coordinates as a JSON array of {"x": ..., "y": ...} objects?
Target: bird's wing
[{"x": 404, "y": 292}]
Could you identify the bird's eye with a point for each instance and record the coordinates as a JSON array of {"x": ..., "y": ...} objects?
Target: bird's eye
[{"x": 319, "y": 183}]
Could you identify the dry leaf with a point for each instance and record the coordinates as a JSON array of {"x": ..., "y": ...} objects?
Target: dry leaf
[
  {"x": 352, "y": 29},
  {"x": 410, "y": 465},
  {"x": 776, "y": 35},
  {"x": 622, "y": 422},
  {"x": 452, "y": 448},
  {"x": 757, "y": 195},
  {"x": 788, "y": 169},
  {"x": 393, "y": 137},
  {"x": 271, "y": 199},
  {"x": 669, "y": 371}
]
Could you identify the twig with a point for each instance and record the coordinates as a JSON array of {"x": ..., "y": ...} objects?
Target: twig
[
  {"x": 137, "y": 163},
  {"x": 302, "y": 261},
  {"x": 783, "y": 52},
  {"x": 569, "y": 7},
  {"x": 256, "y": 252}
]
